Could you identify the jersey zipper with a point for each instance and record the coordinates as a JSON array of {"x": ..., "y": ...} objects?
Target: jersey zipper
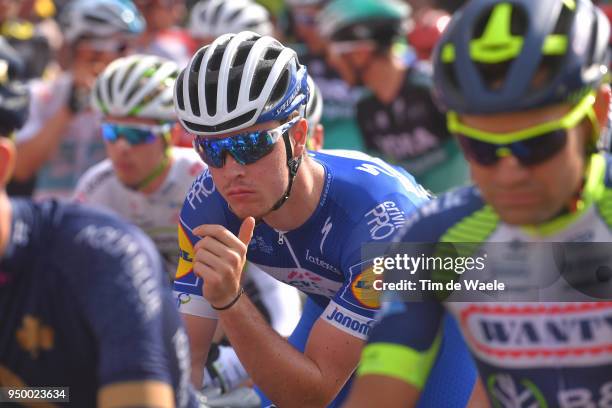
[{"x": 282, "y": 238}]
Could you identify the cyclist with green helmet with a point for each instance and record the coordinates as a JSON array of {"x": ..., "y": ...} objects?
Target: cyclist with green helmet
[
  {"x": 523, "y": 81},
  {"x": 397, "y": 117}
]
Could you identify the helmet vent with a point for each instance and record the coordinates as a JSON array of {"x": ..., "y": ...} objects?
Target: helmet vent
[
  {"x": 109, "y": 84},
  {"x": 593, "y": 41},
  {"x": 179, "y": 91},
  {"x": 127, "y": 74},
  {"x": 271, "y": 54},
  {"x": 259, "y": 79},
  {"x": 281, "y": 87},
  {"x": 194, "y": 95}
]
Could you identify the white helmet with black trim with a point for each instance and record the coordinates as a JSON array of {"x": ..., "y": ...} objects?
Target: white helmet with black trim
[
  {"x": 238, "y": 81},
  {"x": 139, "y": 86},
  {"x": 212, "y": 18},
  {"x": 100, "y": 19}
]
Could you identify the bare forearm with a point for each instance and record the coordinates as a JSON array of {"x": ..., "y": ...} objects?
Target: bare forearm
[
  {"x": 33, "y": 153},
  {"x": 287, "y": 377}
]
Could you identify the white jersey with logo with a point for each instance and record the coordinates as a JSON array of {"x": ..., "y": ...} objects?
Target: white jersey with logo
[{"x": 155, "y": 213}]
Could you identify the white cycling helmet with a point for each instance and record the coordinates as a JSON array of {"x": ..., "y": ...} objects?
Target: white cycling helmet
[
  {"x": 237, "y": 81},
  {"x": 100, "y": 19},
  {"x": 314, "y": 108},
  {"x": 137, "y": 86},
  {"x": 212, "y": 18}
]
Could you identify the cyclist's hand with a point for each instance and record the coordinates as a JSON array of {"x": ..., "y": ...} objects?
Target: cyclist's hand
[{"x": 219, "y": 259}]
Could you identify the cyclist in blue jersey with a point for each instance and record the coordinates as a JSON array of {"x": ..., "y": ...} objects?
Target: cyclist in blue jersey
[
  {"x": 84, "y": 298},
  {"x": 524, "y": 82},
  {"x": 301, "y": 217}
]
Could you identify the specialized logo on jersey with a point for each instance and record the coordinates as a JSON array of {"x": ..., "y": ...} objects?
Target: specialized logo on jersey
[
  {"x": 34, "y": 336},
  {"x": 325, "y": 230},
  {"x": 384, "y": 220},
  {"x": 536, "y": 335},
  {"x": 186, "y": 251},
  {"x": 363, "y": 289}
]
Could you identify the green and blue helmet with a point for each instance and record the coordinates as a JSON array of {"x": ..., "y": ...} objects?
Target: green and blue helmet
[{"x": 502, "y": 56}]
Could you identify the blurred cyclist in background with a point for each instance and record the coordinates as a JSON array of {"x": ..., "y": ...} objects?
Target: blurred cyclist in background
[
  {"x": 313, "y": 114},
  {"x": 61, "y": 138},
  {"x": 163, "y": 35},
  {"x": 211, "y": 18},
  {"x": 29, "y": 27},
  {"x": 144, "y": 178},
  {"x": 398, "y": 118},
  {"x": 84, "y": 298},
  {"x": 339, "y": 116}
]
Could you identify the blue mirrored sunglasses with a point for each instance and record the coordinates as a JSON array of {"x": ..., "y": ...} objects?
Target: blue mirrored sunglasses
[
  {"x": 133, "y": 134},
  {"x": 245, "y": 148}
]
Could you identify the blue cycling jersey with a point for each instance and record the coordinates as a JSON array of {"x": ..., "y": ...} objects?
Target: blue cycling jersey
[
  {"x": 85, "y": 303},
  {"x": 363, "y": 200}
]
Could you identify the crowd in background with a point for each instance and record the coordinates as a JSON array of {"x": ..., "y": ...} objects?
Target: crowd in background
[{"x": 364, "y": 110}]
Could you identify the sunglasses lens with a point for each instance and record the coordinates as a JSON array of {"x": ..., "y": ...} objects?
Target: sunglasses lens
[
  {"x": 539, "y": 149},
  {"x": 482, "y": 153},
  {"x": 211, "y": 151},
  {"x": 133, "y": 136},
  {"x": 245, "y": 149},
  {"x": 529, "y": 152},
  {"x": 109, "y": 133},
  {"x": 253, "y": 146}
]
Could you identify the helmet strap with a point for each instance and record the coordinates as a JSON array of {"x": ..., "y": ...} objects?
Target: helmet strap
[{"x": 293, "y": 164}]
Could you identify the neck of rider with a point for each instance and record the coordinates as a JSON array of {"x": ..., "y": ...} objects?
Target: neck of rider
[
  {"x": 385, "y": 75},
  {"x": 307, "y": 186},
  {"x": 7, "y": 164}
]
